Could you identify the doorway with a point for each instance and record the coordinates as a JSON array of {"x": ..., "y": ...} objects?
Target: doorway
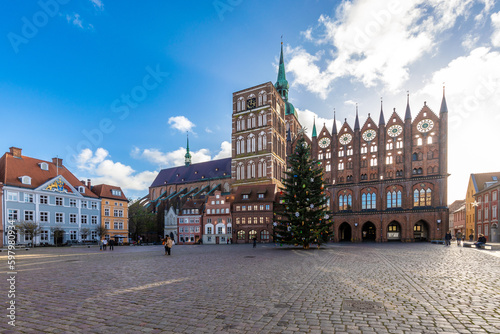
[
  {"x": 345, "y": 233},
  {"x": 369, "y": 232}
]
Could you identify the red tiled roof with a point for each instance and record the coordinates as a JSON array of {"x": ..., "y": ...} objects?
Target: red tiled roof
[
  {"x": 104, "y": 191},
  {"x": 12, "y": 168}
]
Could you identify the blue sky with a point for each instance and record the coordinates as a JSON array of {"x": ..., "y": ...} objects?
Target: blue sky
[{"x": 113, "y": 87}]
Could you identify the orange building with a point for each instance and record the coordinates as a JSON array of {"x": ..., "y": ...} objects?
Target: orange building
[{"x": 114, "y": 212}]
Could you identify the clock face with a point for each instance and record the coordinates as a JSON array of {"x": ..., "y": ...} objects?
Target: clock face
[
  {"x": 251, "y": 103},
  {"x": 345, "y": 139},
  {"x": 369, "y": 135},
  {"x": 394, "y": 130},
  {"x": 425, "y": 125},
  {"x": 324, "y": 142}
]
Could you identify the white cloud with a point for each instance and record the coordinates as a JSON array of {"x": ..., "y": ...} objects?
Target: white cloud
[
  {"x": 176, "y": 158},
  {"x": 472, "y": 90},
  {"x": 207, "y": 130},
  {"x": 375, "y": 42},
  {"x": 181, "y": 123},
  {"x": 495, "y": 23},
  {"x": 75, "y": 20},
  {"x": 98, "y": 167},
  {"x": 469, "y": 42},
  {"x": 97, "y": 4},
  {"x": 225, "y": 151},
  {"x": 307, "y": 118}
]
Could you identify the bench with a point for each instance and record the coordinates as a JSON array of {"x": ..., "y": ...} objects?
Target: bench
[{"x": 471, "y": 245}]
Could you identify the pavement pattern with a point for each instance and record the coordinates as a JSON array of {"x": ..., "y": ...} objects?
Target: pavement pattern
[{"x": 341, "y": 288}]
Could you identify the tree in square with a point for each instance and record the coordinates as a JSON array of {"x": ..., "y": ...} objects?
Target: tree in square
[{"x": 302, "y": 215}]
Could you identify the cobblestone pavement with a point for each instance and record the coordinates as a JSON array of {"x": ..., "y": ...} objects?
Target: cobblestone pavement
[{"x": 342, "y": 288}]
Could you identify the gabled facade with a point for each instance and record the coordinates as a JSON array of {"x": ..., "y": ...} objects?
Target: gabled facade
[
  {"x": 50, "y": 195},
  {"x": 114, "y": 211},
  {"x": 171, "y": 227},
  {"x": 217, "y": 220},
  {"x": 189, "y": 221}
]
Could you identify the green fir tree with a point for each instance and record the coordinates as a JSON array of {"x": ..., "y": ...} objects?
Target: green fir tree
[{"x": 302, "y": 216}]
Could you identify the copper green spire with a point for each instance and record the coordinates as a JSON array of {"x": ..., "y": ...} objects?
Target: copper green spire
[
  {"x": 187, "y": 156},
  {"x": 314, "y": 129},
  {"x": 282, "y": 84}
]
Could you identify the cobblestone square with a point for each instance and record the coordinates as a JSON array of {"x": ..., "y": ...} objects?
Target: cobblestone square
[{"x": 341, "y": 288}]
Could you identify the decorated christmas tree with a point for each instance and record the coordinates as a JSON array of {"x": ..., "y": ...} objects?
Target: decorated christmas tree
[{"x": 302, "y": 216}]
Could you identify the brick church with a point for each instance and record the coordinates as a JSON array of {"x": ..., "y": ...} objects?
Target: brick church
[{"x": 386, "y": 181}]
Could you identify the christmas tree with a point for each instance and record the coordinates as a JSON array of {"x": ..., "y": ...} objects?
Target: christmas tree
[{"x": 302, "y": 217}]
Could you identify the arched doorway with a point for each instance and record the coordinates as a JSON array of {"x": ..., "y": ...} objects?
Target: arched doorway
[
  {"x": 369, "y": 232},
  {"x": 421, "y": 231},
  {"x": 345, "y": 233},
  {"x": 394, "y": 231}
]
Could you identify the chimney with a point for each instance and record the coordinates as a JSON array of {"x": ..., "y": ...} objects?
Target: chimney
[
  {"x": 16, "y": 152},
  {"x": 57, "y": 162},
  {"x": 89, "y": 185}
]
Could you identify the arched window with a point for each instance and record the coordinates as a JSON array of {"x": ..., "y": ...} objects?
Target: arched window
[
  {"x": 242, "y": 172},
  {"x": 428, "y": 197},
  {"x": 429, "y": 140},
  {"x": 414, "y": 156},
  {"x": 373, "y": 148},
  {"x": 251, "y": 170},
  {"x": 241, "y": 235},
  {"x": 388, "y": 160},
  {"x": 389, "y": 146},
  {"x": 394, "y": 199},
  {"x": 252, "y": 234},
  {"x": 240, "y": 105},
  {"x": 345, "y": 202},
  {"x": 373, "y": 162},
  {"x": 368, "y": 201},
  {"x": 399, "y": 144},
  {"x": 419, "y": 142},
  {"x": 238, "y": 146},
  {"x": 422, "y": 197},
  {"x": 264, "y": 235}
]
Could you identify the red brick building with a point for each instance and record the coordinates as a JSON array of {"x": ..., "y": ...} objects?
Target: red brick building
[
  {"x": 253, "y": 213},
  {"x": 488, "y": 210}
]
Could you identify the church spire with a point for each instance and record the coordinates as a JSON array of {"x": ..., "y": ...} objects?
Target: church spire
[
  {"x": 408, "y": 112},
  {"x": 381, "y": 120},
  {"x": 281, "y": 83},
  {"x": 444, "y": 107},
  {"x": 187, "y": 156},
  {"x": 314, "y": 129},
  {"x": 356, "y": 122},
  {"x": 334, "y": 129}
]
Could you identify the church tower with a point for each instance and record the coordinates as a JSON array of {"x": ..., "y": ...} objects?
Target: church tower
[
  {"x": 281, "y": 85},
  {"x": 187, "y": 156}
]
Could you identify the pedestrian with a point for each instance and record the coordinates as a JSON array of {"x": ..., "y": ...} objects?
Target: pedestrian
[
  {"x": 104, "y": 244},
  {"x": 254, "y": 242},
  {"x": 447, "y": 238},
  {"x": 459, "y": 238},
  {"x": 111, "y": 244},
  {"x": 471, "y": 237},
  {"x": 463, "y": 239},
  {"x": 100, "y": 244},
  {"x": 480, "y": 241},
  {"x": 168, "y": 245}
]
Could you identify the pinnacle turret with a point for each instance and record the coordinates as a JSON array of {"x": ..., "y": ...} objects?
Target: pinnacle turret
[
  {"x": 281, "y": 83},
  {"x": 408, "y": 112},
  {"x": 334, "y": 129},
  {"x": 187, "y": 156},
  {"x": 381, "y": 120},
  {"x": 356, "y": 122},
  {"x": 444, "y": 107}
]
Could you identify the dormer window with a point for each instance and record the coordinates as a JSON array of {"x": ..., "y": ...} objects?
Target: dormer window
[
  {"x": 81, "y": 190},
  {"x": 116, "y": 192},
  {"x": 44, "y": 166},
  {"x": 25, "y": 179},
  {"x": 245, "y": 196}
]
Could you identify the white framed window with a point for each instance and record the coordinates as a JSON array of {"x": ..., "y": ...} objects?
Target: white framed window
[
  {"x": 486, "y": 230},
  {"x": 84, "y": 219},
  {"x": 106, "y": 211},
  {"x": 494, "y": 212},
  {"x": 59, "y": 217},
  {"x": 12, "y": 196},
  {"x": 84, "y": 204},
  {"x": 93, "y": 234},
  {"x": 73, "y": 235},
  {"x": 72, "y": 218},
  {"x": 44, "y": 199},
  {"x": 219, "y": 230},
  {"x": 28, "y": 198},
  {"x": 28, "y": 215},
  {"x": 44, "y": 235},
  {"x": 94, "y": 205},
  {"x": 93, "y": 220},
  {"x": 59, "y": 201},
  {"x": 26, "y": 180},
  {"x": 373, "y": 148},
  {"x": 81, "y": 189},
  {"x": 106, "y": 225},
  {"x": 44, "y": 217},
  {"x": 116, "y": 192},
  {"x": 115, "y": 225},
  {"x": 197, "y": 229},
  {"x": 44, "y": 166},
  {"x": 13, "y": 215},
  {"x": 72, "y": 203}
]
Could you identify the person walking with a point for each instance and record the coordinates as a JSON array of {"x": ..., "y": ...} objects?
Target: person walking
[
  {"x": 168, "y": 245},
  {"x": 104, "y": 244},
  {"x": 111, "y": 244},
  {"x": 254, "y": 242},
  {"x": 100, "y": 244},
  {"x": 459, "y": 238},
  {"x": 447, "y": 239}
]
